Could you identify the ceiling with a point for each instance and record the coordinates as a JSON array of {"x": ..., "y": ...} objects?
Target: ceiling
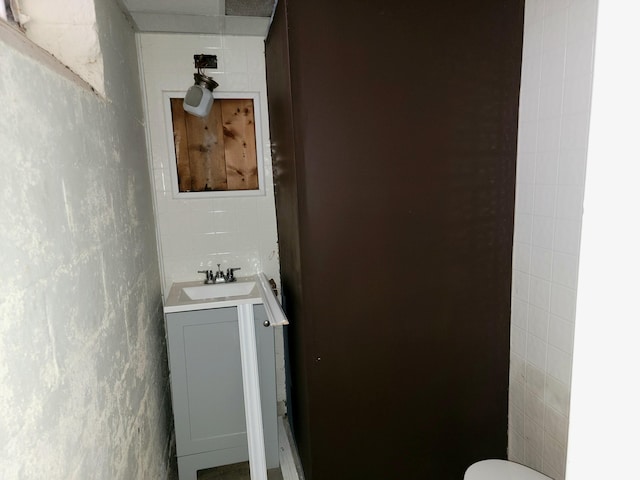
[{"x": 232, "y": 17}]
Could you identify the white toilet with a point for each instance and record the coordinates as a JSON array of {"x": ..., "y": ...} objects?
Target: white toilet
[{"x": 501, "y": 470}]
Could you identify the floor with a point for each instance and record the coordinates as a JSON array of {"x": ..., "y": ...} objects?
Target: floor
[
  {"x": 237, "y": 471},
  {"x": 290, "y": 466}
]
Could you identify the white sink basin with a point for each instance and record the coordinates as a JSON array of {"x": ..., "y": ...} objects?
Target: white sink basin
[
  {"x": 254, "y": 289},
  {"x": 219, "y": 290}
]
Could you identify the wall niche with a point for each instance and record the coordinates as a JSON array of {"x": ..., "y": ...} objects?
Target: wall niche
[{"x": 217, "y": 155}]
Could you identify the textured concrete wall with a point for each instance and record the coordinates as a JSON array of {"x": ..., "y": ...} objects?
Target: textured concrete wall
[{"x": 83, "y": 377}]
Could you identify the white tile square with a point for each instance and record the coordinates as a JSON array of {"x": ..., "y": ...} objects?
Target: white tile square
[
  {"x": 540, "y": 292},
  {"x": 523, "y": 227},
  {"x": 579, "y": 60},
  {"x": 554, "y": 455},
  {"x": 520, "y": 287},
  {"x": 565, "y": 269},
  {"x": 533, "y": 434},
  {"x": 575, "y": 131},
  {"x": 200, "y": 221},
  {"x": 538, "y": 322},
  {"x": 544, "y": 200},
  {"x": 543, "y": 232},
  {"x": 557, "y": 395},
  {"x": 554, "y": 25},
  {"x": 550, "y": 101},
  {"x": 257, "y": 82},
  {"x": 529, "y": 98},
  {"x": 237, "y": 42},
  {"x": 234, "y": 82},
  {"x": 161, "y": 180},
  {"x": 517, "y": 395},
  {"x": 202, "y": 243},
  {"x": 581, "y": 26},
  {"x": 572, "y": 166},
  {"x": 532, "y": 456},
  {"x": 569, "y": 202},
  {"x": 546, "y": 168},
  {"x": 531, "y": 63},
  {"x": 567, "y": 236},
  {"x": 521, "y": 257},
  {"x": 552, "y": 7},
  {"x": 524, "y": 198},
  {"x": 256, "y": 61},
  {"x": 556, "y": 425},
  {"x": 519, "y": 310},
  {"x": 532, "y": 42},
  {"x": 235, "y": 60},
  {"x": 526, "y": 169},
  {"x": 536, "y": 352},
  {"x": 552, "y": 66},
  {"x": 517, "y": 370},
  {"x": 515, "y": 447},
  {"x": 563, "y": 302},
  {"x": 577, "y": 94},
  {"x": 533, "y": 12},
  {"x": 541, "y": 263},
  {"x": 548, "y": 138},
  {"x": 519, "y": 341},
  {"x": 534, "y": 409},
  {"x": 561, "y": 334},
  {"x": 224, "y": 221},
  {"x": 516, "y": 419},
  {"x": 534, "y": 381},
  {"x": 527, "y": 137},
  {"x": 559, "y": 365}
]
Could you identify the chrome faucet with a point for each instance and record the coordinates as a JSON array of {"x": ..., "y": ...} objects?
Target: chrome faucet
[{"x": 219, "y": 276}]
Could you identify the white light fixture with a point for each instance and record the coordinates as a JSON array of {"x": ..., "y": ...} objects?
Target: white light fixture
[{"x": 199, "y": 97}]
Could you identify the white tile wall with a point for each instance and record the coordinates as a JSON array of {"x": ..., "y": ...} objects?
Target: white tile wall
[
  {"x": 552, "y": 143},
  {"x": 197, "y": 234}
]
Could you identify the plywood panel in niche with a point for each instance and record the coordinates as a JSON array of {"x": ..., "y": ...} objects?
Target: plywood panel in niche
[{"x": 217, "y": 153}]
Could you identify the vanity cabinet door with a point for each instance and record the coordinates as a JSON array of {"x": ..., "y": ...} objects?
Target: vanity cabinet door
[
  {"x": 206, "y": 386},
  {"x": 206, "y": 381}
]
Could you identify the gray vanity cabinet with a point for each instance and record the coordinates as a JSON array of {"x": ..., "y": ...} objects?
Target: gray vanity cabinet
[{"x": 207, "y": 392}]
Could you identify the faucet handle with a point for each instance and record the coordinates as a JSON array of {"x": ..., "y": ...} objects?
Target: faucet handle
[
  {"x": 208, "y": 274},
  {"x": 230, "y": 276}
]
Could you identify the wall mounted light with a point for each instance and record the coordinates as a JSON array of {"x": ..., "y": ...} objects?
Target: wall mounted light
[{"x": 199, "y": 97}]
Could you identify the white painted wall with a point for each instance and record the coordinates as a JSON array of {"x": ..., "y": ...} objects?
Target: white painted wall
[
  {"x": 555, "y": 104},
  {"x": 605, "y": 391},
  {"x": 197, "y": 234},
  {"x": 83, "y": 377},
  {"x": 69, "y": 31}
]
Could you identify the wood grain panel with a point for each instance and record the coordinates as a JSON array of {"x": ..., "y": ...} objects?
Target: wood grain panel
[
  {"x": 206, "y": 156},
  {"x": 240, "y": 144},
  {"x": 217, "y": 159},
  {"x": 180, "y": 144},
  {"x": 217, "y": 152}
]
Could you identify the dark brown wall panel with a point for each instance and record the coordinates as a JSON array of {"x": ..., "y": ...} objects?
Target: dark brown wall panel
[
  {"x": 403, "y": 130},
  {"x": 285, "y": 172}
]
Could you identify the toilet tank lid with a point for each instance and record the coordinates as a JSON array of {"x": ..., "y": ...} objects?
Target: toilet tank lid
[{"x": 501, "y": 470}]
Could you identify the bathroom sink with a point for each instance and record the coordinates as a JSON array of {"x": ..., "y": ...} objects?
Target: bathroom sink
[
  {"x": 219, "y": 290},
  {"x": 254, "y": 289}
]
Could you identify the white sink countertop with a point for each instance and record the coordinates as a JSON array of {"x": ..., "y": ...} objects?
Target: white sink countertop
[
  {"x": 179, "y": 300},
  {"x": 253, "y": 289}
]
